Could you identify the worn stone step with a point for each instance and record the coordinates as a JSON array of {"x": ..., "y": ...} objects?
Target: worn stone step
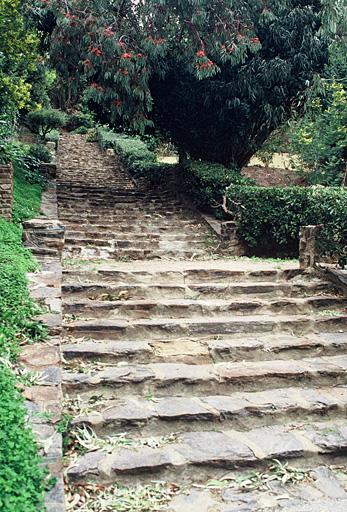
[
  {"x": 204, "y": 326},
  {"x": 191, "y": 455},
  {"x": 131, "y": 236},
  {"x": 241, "y": 410},
  {"x": 189, "y": 308},
  {"x": 134, "y": 243},
  {"x": 220, "y": 378},
  {"x": 198, "y": 273},
  {"x": 206, "y": 350},
  {"x": 106, "y": 253}
]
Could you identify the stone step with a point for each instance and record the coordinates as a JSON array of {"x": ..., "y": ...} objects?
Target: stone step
[
  {"x": 105, "y": 253},
  {"x": 202, "y": 326},
  {"x": 190, "y": 308},
  {"x": 127, "y": 229},
  {"x": 197, "y": 273},
  {"x": 163, "y": 379},
  {"x": 242, "y": 410},
  {"x": 134, "y": 242},
  {"x": 205, "y": 350},
  {"x": 132, "y": 236},
  {"x": 190, "y": 456}
]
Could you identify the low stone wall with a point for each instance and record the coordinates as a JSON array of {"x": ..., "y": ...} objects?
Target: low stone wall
[
  {"x": 45, "y": 238},
  {"x": 6, "y": 191}
]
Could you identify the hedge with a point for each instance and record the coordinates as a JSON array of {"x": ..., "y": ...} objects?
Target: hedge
[
  {"x": 206, "y": 182},
  {"x": 135, "y": 155},
  {"x": 269, "y": 219}
]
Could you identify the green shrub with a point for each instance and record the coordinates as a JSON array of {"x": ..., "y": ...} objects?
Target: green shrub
[
  {"x": 270, "y": 218},
  {"x": 53, "y": 136},
  {"x": 135, "y": 155},
  {"x": 206, "y": 182},
  {"x": 21, "y": 479},
  {"x": 80, "y": 120},
  {"x": 46, "y": 119},
  {"x": 40, "y": 152}
]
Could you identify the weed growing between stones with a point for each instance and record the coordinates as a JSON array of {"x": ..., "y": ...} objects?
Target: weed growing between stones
[
  {"x": 98, "y": 498},
  {"x": 84, "y": 440},
  {"x": 260, "y": 480}
]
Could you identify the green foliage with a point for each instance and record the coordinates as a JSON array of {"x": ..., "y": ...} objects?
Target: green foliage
[
  {"x": 16, "y": 308},
  {"x": 40, "y": 152},
  {"x": 135, "y": 155},
  {"x": 27, "y": 188},
  {"x": 206, "y": 182},
  {"x": 18, "y": 54},
  {"x": 134, "y": 63},
  {"x": 319, "y": 138},
  {"x": 270, "y": 218},
  {"x": 46, "y": 119},
  {"x": 80, "y": 120},
  {"x": 21, "y": 480}
]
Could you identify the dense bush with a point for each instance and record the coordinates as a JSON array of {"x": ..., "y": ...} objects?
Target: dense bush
[
  {"x": 270, "y": 218},
  {"x": 40, "y": 153},
  {"x": 206, "y": 182},
  {"x": 79, "y": 120},
  {"x": 46, "y": 119},
  {"x": 21, "y": 479}
]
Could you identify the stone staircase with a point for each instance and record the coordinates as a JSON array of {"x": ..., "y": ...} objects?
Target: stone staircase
[{"x": 182, "y": 367}]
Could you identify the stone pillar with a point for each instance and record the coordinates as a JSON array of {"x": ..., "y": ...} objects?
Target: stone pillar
[
  {"x": 231, "y": 240},
  {"x": 6, "y": 191},
  {"x": 44, "y": 237},
  {"x": 308, "y": 254}
]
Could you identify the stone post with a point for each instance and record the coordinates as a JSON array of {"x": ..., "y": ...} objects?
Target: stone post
[
  {"x": 231, "y": 240},
  {"x": 6, "y": 191},
  {"x": 308, "y": 254},
  {"x": 44, "y": 237}
]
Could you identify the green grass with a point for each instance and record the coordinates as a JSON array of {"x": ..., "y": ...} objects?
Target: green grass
[{"x": 22, "y": 483}]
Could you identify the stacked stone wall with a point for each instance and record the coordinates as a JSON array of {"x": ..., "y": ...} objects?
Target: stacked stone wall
[{"x": 6, "y": 191}]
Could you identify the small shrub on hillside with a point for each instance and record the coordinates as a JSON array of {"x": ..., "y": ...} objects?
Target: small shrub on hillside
[
  {"x": 21, "y": 479},
  {"x": 40, "y": 153},
  {"x": 270, "y": 218},
  {"x": 44, "y": 120}
]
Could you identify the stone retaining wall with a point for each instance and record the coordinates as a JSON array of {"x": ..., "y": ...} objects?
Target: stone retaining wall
[
  {"x": 6, "y": 191},
  {"x": 45, "y": 238}
]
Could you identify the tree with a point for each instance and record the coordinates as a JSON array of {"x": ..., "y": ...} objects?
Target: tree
[
  {"x": 319, "y": 137},
  {"x": 18, "y": 54},
  {"x": 218, "y": 77},
  {"x": 44, "y": 120}
]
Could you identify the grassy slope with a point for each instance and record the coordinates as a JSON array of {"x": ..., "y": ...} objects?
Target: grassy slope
[{"x": 21, "y": 487}]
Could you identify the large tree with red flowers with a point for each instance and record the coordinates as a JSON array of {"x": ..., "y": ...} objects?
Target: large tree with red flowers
[{"x": 217, "y": 77}]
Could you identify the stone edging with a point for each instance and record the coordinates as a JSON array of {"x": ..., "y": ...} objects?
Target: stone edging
[{"x": 45, "y": 237}]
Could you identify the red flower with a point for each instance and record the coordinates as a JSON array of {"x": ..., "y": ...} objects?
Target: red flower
[
  {"x": 126, "y": 55},
  {"x": 88, "y": 63},
  {"x": 123, "y": 71},
  {"x": 255, "y": 40},
  {"x": 96, "y": 51},
  {"x": 108, "y": 32},
  {"x": 200, "y": 53}
]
